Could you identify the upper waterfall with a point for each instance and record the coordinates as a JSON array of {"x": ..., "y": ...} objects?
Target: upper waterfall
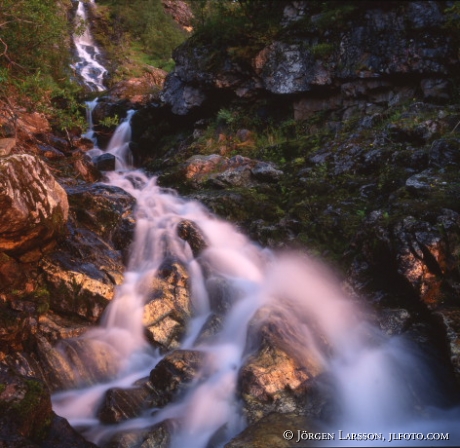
[{"x": 87, "y": 64}]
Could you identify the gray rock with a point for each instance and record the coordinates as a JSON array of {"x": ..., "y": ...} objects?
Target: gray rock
[{"x": 105, "y": 162}]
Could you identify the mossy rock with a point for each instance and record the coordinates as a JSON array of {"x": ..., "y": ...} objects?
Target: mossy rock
[{"x": 25, "y": 405}]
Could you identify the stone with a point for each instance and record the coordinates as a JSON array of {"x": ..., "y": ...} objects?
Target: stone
[
  {"x": 444, "y": 152},
  {"x": 25, "y": 407},
  {"x": 105, "y": 209},
  {"x": 190, "y": 232},
  {"x": 269, "y": 431},
  {"x": 34, "y": 207},
  {"x": 49, "y": 152},
  {"x": 75, "y": 363},
  {"x": 158, "y": 436},
  {"x": 122, "y": 404},
  {"x": 82, "y": 288},
  {"x": 172, "y": 375},
  {"x": 435, "y": 89},
  {"x": 105, "y": 162},
  {"x": 283, "y": 374},
  {"x": 62, "y": 435},
  {"x": 168, "y": 308},
  {"x": 6, "y": 145},
  {"x": 85, "y": 167}
]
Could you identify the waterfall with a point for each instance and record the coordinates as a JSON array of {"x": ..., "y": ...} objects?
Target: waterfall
[
  {"x": 374, "y": 375},
  {"x": 87, "y": 64}
]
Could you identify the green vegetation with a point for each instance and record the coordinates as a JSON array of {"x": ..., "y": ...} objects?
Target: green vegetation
[
  {"x": 137, "y": 33},
  {"x": 35, "y": 59}
]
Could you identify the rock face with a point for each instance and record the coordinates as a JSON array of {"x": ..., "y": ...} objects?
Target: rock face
[
  {"x": 281, "y": 375},
  {"x": 105, "y": 228},
  {"x": 34, "y": 206},
  {"x": 372, "y": 46}
]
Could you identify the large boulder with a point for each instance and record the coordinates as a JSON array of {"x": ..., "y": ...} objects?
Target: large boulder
[
  {"x": 82, "y": 273},
  {"x": 26, "y": 417},
  {"x": 173, "y": 374},
  {"x": 34, "y": 207},
  {"x": 282, "y": 375},
  {"x": 25, "y": 407}
]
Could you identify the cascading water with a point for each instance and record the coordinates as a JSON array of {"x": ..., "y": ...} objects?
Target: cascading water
[
  {"x": 375, "y": 377},
  {"x": 87, "y": 64}
]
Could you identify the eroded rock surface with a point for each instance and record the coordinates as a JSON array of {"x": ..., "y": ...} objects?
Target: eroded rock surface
[{"x": 34, "y": 207}]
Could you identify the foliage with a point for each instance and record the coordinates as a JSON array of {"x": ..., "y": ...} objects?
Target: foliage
[
  {"x": 35, "y": 59},
  {"x": 144, "y": 30},
  {"x": 230, "y": 25}
]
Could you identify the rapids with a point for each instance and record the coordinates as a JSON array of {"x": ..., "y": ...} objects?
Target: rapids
[{"x": 375, "y": 377}]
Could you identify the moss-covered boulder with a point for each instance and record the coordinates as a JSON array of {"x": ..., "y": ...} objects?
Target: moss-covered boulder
[{"x": 25, "y": 407}]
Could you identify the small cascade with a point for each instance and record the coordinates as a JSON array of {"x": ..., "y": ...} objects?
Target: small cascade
[
  {"x": 87, "y": 65},
  {"x": 375, "y": 377},
  {"x": 89, "y": 134},
  {"x": 119, "y": 143}
]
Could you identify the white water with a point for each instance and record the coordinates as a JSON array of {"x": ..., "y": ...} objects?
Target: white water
[
  {"x": 87, "y": 65},
  {"x": 374, "y": 376}
]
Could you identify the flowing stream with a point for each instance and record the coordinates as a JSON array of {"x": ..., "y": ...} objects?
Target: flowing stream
[
  {"x": 87, "y": 65},
  {"x": 382, "y": 385},
  {"x": 376, "y": 377}
]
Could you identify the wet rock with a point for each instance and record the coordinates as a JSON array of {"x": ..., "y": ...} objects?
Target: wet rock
[
  {"x": 423, "y": 258},
  {"x": 158, "y": 436},
  {"x": 173, "y": 374},
  {"x": 106, "y": 210},
  {"x": 283, "y": 375},
  {"x": 269, "y": 431},
  {"x": 105, "y": 162},
  {"x": 83, "y": 288},
  {"x": 222, "y": 295},
  {"x": 169, "y": 307},
  {"x": 34, "y": 206},
  {"x": 133, "y": 92},
  {"x": 210, "y": 328},
  {"x": 62, "y": 435},
  {"x": 75, "y": 363},
  {"x": 394, "y": 321},
  {"x": 122, "y": 404},
  {"x": 190, "y": 232}
]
